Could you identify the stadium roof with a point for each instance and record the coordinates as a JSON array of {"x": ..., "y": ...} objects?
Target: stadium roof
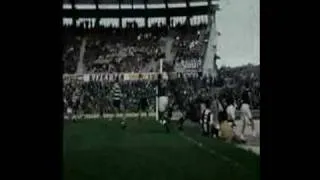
[
  {"x": 136, "y": 8},
  {"x": 129, "y": 1}
]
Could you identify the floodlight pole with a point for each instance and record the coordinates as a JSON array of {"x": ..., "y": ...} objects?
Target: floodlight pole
[
  {"x": 145, "y": 2},
  {"x": 188, "y": 16},
  {"x": 96, "y": 2},
  {"x": 73, "y": 3},
  {"x": 132, "y": 4},
  {"x": 167, "y": 17},
  {"x": 120, "y": 18}
]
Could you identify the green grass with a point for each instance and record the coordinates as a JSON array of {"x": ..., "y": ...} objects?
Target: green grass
[{"x": 101, "y": 150}]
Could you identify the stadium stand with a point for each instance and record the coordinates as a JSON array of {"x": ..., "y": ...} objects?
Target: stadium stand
[
  {"x": 114, "y": 53},
  {"x": 71, "y": 53},
  {"x": 135, "y": 49}
]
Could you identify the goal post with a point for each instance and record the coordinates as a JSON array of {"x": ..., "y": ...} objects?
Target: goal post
[{"x": 157, "y": 91}]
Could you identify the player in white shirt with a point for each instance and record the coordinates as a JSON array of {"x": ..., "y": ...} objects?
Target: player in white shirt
[
  {"x": 231, "y": 114},
  {"x": 231, "y": 117},
  {"x": 245, "y": 112},
  {"x": 227, "y": 121},
  {"x": 69, "y": 105}
]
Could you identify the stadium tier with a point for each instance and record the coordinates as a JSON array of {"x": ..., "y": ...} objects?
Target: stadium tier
[
  {"x": 135, "y": 50},
  {"x": 131, "y": 36}
]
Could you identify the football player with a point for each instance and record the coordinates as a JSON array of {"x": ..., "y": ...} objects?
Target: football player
[
  {"x": 163, "y": 102},
  {"x": 143, "y": 102},
  {"x": 206, "y": 120},
  {"x": 245, "y": 112},
  {"x": 116, "y": 97}
]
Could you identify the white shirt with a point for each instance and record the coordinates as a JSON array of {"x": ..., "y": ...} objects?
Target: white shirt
[{"x": 231, "y": 111}]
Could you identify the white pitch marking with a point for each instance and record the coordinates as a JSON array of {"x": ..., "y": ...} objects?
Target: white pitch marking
[
  {"x": 254, "y": 149},
  {"x": 210, "y": 151}
]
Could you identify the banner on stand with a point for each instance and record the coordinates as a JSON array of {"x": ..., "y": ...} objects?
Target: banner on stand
[
  {"x": 188, "y": 66},
  {"x": 109, "y": 77}
]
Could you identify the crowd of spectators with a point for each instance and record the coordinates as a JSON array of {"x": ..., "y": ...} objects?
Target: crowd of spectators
[
  {"x": 71, "y": 53},
  {"x": 234, "y": 79},
  {"x": 189, "y": 45},
  {"x": 111, "y": 53},
  {"x": 131, "y": 49},
  {"x": 95, "y": 95}
]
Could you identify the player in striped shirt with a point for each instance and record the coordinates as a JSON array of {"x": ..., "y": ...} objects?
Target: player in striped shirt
[
  {"x": 209, "y": 127},
  {"x": 116, "y": 99},
  {"x": 75, "y": 104}
]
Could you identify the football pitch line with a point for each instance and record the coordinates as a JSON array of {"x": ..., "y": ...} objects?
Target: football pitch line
[
  {"x": 175, "y": 115},
  {"x": 208, "y": 150},
  {"x": 254, "y": 149}
]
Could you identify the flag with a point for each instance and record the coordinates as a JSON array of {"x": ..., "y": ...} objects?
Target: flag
[
  {"x": 216, "y": 57},
  {"x": 252, "y": 75}
]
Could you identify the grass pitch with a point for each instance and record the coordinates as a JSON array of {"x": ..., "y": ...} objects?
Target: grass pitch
[{"x": 101, "y": 150}]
